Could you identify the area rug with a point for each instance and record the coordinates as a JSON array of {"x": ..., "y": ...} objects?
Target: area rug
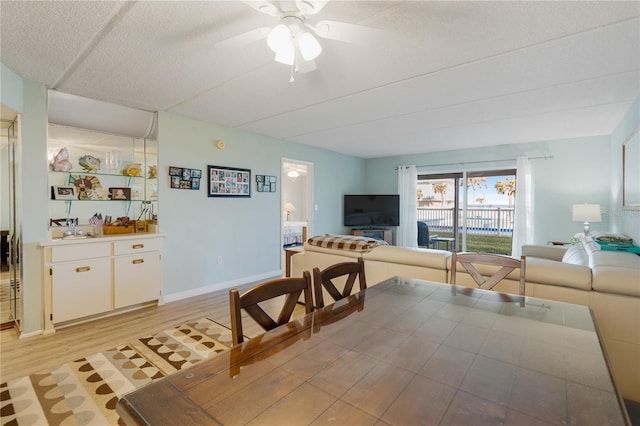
[{"x": 85, "y": 391}]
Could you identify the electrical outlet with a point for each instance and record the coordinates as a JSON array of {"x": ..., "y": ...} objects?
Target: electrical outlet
[{"x": 219, "y": 260}]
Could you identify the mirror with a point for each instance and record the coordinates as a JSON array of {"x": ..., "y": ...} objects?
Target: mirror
[{"x": 631, "y": 172}]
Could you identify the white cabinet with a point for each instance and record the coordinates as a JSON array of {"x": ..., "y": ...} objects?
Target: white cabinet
[
  {"x": 81, "y": 288},
  {"x": 137, "y": 271},
  {"x": 89, "y": 277}
]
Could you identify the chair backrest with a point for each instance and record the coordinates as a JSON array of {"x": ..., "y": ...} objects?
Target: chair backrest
[
  {"x": 324, "y": 279},
  {"x": 506, "y": 264},
  {"x": 250, "y": 300},
  {"x": 423, "y": 234}
]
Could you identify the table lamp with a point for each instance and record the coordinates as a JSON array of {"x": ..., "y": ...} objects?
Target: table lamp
[
  {"x": 586, "y": 213},
  {"x": 288, "y": 207}
]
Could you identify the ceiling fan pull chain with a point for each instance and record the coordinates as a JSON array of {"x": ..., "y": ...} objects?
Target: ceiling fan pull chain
[{"x": 291, "y": 80}]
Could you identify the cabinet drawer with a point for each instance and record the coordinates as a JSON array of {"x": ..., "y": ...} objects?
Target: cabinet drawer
[
  {"x": 80, "y": 289},
  {"x": 80, "y": 251},
  {"x": 137, "y": 246}
]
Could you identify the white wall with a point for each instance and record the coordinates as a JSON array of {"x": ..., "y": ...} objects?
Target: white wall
[{"x": 295, "y": 192}]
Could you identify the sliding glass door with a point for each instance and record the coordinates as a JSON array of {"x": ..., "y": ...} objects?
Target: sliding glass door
[{"x": 468, "y": 211}]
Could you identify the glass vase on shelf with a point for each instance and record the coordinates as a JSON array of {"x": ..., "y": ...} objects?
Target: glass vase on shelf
[{"x": 114, "y": 161}]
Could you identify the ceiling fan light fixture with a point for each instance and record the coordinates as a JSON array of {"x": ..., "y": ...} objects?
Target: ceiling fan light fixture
[
  {"x": 279, "y": 38},
  {"x": 286, "y": 56},
  {"x": 309, "y": 46}
]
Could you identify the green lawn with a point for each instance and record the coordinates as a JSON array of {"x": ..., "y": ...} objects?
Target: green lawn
[{"x": 485, "y": 243}]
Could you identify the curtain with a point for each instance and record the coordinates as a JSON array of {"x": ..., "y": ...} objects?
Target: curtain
[
  {"x": 523, "y": 221},
  {"x": 407, "y": 234}
]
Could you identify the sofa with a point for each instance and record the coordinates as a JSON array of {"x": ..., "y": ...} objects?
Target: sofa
[{"x": 582, "y": 273}]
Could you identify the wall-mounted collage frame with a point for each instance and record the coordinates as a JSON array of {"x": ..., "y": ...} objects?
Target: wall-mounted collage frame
[
  {"x": 266, "y": 183},
  {"x": 183, "y": 178},
  {"x": 229, "y": 182}
]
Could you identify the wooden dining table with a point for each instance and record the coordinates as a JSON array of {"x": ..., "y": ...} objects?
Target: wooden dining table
[{"x": 402, "y": 352}]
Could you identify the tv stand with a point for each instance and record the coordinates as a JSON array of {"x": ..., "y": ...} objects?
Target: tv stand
[{"x": 375, "y": 233}]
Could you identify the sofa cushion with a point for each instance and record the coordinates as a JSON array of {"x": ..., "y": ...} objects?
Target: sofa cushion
[
  {"x": 616, "y": 272},
  {"x": 576, "y": 255},
  {"x": 550, "y": 272},
  {"x": 345, "y": 242},
  {"x": 409, "y": 256}
]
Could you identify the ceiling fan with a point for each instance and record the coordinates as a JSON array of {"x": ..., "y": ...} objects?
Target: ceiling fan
[{"x": 293, "y": 39}]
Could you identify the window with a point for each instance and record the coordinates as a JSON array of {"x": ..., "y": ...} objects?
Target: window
[{"x": 475, "y": 209}]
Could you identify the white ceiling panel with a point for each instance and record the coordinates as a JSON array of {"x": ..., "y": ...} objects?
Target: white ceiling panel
[{"x": 444, "y": 74}]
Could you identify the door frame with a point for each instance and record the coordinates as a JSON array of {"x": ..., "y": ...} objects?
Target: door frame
[{"x": 309, "y": 205}]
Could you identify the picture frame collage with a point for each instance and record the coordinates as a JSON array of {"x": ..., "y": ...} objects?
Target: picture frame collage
[
  {"x": 266, "y": 183},
  {"x": 229, "y": 182},
  {"x": 184, "y": 178}
]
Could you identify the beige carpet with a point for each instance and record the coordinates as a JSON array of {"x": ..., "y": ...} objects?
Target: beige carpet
[{"x": 85, "y": 391}]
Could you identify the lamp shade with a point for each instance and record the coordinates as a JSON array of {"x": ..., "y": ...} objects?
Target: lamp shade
[
  {"x": 288, "y": 207},
  {"x": 586, "y": 213}
]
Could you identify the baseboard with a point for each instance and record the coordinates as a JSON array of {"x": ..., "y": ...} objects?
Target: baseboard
[
  {"x": 173, "y": 297},
  {"x": 31, "y": 334}
]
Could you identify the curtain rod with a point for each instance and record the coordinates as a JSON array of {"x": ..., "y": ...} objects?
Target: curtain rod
[{"x": 462, "y": 163}]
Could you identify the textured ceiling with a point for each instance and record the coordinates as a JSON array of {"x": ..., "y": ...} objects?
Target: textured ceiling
[{"x": 444, "y": 75}]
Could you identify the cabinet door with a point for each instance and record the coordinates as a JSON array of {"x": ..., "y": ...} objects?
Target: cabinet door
[
  {"x": 80, "y": 289},
  {"x": 137, "y": 278}
]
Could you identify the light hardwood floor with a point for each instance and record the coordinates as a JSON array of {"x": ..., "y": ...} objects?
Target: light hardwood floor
[{"x": 20, "y": 357}]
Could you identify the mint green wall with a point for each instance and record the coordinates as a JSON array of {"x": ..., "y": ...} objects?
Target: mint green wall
[
  {"x": 579, "y": 172},
  {"x": 10, "y": 89},
  {"x": 623, "y": 221},
  {"x": 33, "y": 199},
  {"x": 245, "y": 232}
]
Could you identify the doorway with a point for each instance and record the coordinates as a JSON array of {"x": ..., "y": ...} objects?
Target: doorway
[
  {"x": 296, "y": 203},
  {"x": 474, "y": 211}
]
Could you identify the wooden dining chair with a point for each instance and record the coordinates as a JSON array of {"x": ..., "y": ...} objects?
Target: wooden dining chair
[
  {"x": 506, "y": 264},
  {"x": 250, "y": 301},
  {"x": 324, "y": 279}
]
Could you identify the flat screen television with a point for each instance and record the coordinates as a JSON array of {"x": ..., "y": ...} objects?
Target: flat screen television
[{"x": 372, "y": 211}]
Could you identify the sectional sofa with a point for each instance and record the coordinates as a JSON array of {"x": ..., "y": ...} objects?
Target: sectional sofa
[{"x": 607, "y": 282}]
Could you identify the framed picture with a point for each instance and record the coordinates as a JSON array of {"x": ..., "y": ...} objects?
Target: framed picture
[
  {"x": 229, "y": 182},
  {"x": 184, "y": 178},
  {"x": 120, "y": 193},
  {"x": 266, "y": 183},
  {"x": 64, "y": 192}
]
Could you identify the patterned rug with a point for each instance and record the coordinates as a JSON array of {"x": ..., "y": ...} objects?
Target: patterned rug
[{"x": 85, "y": 391}]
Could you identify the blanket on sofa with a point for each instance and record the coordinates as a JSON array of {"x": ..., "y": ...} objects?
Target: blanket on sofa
[{"x": 346, "y": 242}]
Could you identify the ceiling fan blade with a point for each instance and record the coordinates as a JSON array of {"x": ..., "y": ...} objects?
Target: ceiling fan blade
[
  {"x": 303, "y": 66},
  {"x": 243, "y": 39},
  {"x": 310, "y": 7},
  {"x": 350, "y": 33},
  {"x": 263, "y": 7}
]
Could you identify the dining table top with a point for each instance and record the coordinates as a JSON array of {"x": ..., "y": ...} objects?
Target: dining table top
[{"x": 402, "y": 352}]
